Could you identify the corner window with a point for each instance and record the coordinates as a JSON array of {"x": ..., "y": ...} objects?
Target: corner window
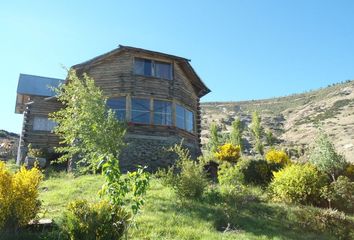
[
  {"x": 118, "y": 106},
  {"x": 189, "y": 120},
  {"x": 43, "y": 124},
  {"x": 184, "y": 118},
  {"x": 153, "y": 68},
  {"x": 162, "y": 112},
  {"x": 180, "y": 119},
  {"x": 141, "y": 110}
]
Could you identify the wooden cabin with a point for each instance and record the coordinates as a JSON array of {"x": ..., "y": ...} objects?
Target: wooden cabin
[{"x": 156, "y": 93}]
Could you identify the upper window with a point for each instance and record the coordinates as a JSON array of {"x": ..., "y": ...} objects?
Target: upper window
[
  {"x": 184, "y": 118},
  {"x": 141, "y": 110},
  {"x": 118, "y": 106},
  {"x": 153, "y": 68},
  {"x": 162, "y": 112},
  {"x": 43, "y": 124}
]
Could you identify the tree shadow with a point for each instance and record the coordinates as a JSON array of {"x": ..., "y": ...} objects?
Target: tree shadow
[{"x": 252, "y": 216}]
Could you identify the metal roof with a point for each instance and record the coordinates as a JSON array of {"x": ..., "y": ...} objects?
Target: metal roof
[{"x": 36, "y": 85}]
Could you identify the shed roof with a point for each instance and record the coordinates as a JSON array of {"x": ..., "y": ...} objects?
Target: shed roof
[
  {"x": 37, "y": 85},
  {"x": 31, "y": 85}
]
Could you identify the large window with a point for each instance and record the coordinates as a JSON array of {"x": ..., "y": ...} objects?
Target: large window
[
  {"x": 118, "y": 106},
  {"x": 141, "y": 110},
  {"x": 180, "y": 118},
  {"x": 43, "y": 124},
  {"x": 184, "y": 118},
  {"x": 153, "y": 68},
  {"x": 162, "y": 112}
]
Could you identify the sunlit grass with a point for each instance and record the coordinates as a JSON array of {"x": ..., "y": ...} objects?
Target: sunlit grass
[{"x": 164, "y": 216}]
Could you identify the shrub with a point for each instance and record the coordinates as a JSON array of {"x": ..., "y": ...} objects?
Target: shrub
[
  {"x": 277, "y": 157},
  {"x": 257, "y": 172},
  {"x": 229, "y": 174},
  {"x": 349, "y": 171},
  {"x": 325, "y": 157},
  {"x": 246, "y": 171},
  {"x": 228, "y": 152},
  {"x": 297, "y": 183},
  {"x": 340, "y": 194},
  {"x": 189, "y": 181},
  {"x": 321, "y": 220},
  {"x": 18, "y": 197},
  {"x": 34, "y": 152},
  {"x": 101, "y": 221}
]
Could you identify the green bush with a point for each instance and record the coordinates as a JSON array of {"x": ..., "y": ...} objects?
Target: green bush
[
  {"x": 324, "y": 220},
  {"x": 187, "y": 177},
  {"x": 340, "y": 194},
  {"x": 298, "y": 183},
  {"x": 95, "y": 221},
  {"x": 349, "y": 171},
  {"x": 246, "y": 171},
  {"x": 229, "y": 174},
  {"x": 258, "y": 172}
]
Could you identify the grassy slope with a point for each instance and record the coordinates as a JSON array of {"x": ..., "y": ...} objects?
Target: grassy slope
[{"x": 164, "y": 217}]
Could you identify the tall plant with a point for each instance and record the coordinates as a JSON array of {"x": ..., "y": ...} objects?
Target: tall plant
[
  {"x": 90, "y": 133},
  {"x": 325, "y": 157},
  {"x": 257, "y": 132},
  {"x": 236, "y": 133},
  {"x": 214, "y": 140}
]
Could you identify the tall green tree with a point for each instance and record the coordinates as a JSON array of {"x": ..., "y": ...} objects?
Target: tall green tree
[
  {"x": 236, "y": 133},
  {"x": 214, "y": 140},
  {"x": 257, "y": 132},
  {"x": 91, "y": 134},
  {"x": 325, "y": 157},
  {"x": 88, "y": 130}
]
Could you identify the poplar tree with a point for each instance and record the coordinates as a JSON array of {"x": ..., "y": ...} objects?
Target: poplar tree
[
  {"x": 325, "y": 157},
  {"x": 236, "y": 133},
  {"x": 257, "y": 131},
  {"x": 214, "y": 140}
]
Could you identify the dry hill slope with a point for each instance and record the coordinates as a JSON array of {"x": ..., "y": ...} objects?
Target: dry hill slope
[{"x": 293, "y": 119}]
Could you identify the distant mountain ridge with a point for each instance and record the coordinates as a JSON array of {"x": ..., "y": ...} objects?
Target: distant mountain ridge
[{"x": 293, "y": 119}]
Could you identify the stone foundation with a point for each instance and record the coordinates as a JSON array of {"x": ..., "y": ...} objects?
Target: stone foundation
[{"x": 152, "y": 151}]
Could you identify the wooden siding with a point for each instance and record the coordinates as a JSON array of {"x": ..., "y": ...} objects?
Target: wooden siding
[
  {"x": 115, "y": 76},
  {"x": 39, "y": 108}
]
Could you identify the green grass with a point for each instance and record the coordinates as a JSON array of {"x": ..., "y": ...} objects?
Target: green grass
[
  {"x": 58, "y": 190},
  {"x": 166, "y": 217}
]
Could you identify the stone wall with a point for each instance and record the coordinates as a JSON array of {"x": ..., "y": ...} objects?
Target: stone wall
[{"x": 152, "y": 152}]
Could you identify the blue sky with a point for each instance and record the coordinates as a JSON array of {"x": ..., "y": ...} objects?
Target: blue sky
[{"x": 241, "y": 49}]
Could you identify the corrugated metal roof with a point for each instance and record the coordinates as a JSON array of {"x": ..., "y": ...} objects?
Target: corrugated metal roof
[{"x": 36, "y": 85}]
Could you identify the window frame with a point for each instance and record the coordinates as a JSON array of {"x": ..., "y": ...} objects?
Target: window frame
[
  {"x": 116, "y": 110},
  {"x": 153, "y": 68},
  {"x": 185, "y": 123},
  {"x": 154, "y": 112},
  {"x": 40, "y": 128},
  {"x": 148, "y": 112}
]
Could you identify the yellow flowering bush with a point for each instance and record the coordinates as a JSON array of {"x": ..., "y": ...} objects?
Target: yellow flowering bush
[
  {"x": 18, "y": 197},
  {"x": 298, "y": 183},
  {"x": 278, "y": 157},
  {"x": 228, "y": 153}
]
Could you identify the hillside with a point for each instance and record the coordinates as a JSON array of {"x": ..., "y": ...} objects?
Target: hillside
[
  {"x": 293, "y": 119},
  {"x": 8, "y": 144}
]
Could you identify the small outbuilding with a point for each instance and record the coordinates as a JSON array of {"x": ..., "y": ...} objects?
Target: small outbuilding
[{"x": 157, "y": 94}]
